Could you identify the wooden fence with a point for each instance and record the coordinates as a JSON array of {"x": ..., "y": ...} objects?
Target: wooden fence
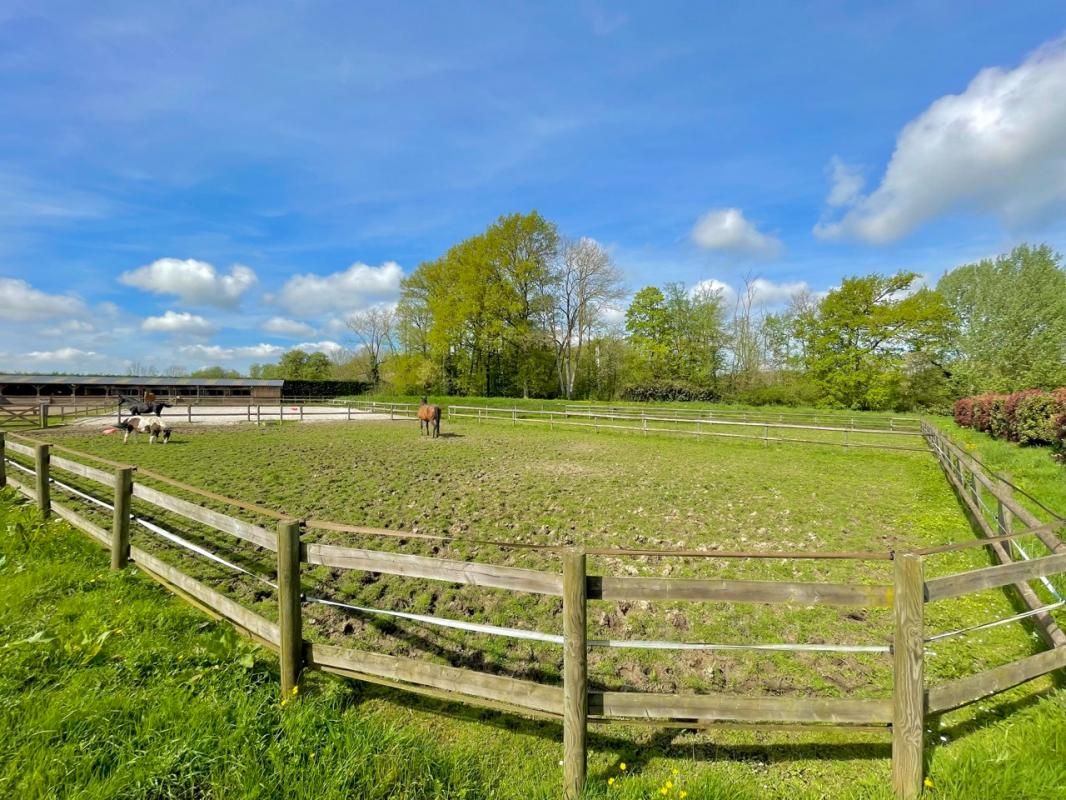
[
  {"x": 836, "y": 420},
  {"x": 671, "y": 421},
  {"x": 42, "y": 415},
  {"x": 903, "y": 713}
]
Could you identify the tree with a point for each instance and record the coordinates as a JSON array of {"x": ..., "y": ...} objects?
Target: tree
[
  {"x": 482, "y": 312},
  {"x": 373, "y": 328},
  {"x": 745, "y": 340},
  {"x": 1011, "y": 330},
  {"x": 648, "y": 329},
  {"x": 859, "y": 338},
  {"x": 297, "y": 365},
  {"x": 676, "y": 335},
  {"x": 586, "y": 282}
]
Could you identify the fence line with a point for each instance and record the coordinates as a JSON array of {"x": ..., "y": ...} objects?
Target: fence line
[
  {"x": 968, "y": 480},
  {"x": 904, "y": 713},
  {"x": 572, "y": 419}
]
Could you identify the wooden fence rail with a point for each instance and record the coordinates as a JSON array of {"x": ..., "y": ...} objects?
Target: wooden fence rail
[
  {"x": 653, "y": 423},
  {"x": 903, "y": 713}
]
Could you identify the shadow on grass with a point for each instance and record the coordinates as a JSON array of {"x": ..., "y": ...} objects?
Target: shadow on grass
[{"x": 662, "y": 744}]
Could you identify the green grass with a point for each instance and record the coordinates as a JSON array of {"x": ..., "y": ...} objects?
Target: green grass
[
  {"x": 538, "y": 485},
  {"x": 1031, "y": 468},
  {"x": 109, "y": 688}
]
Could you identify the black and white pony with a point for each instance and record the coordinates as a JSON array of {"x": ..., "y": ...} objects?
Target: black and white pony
[
  {"x": 155, "y": 428},
  {"x": 139, "y": 407}
]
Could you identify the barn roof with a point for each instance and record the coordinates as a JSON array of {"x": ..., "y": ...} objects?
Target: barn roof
[{"x": 126, "y": 380}]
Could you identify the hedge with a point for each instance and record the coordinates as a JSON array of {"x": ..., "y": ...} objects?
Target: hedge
[
  {"x": 323, "y": 388},
  {"x": 1029, "y": 417},
  {"x": 666, "y": 391}
]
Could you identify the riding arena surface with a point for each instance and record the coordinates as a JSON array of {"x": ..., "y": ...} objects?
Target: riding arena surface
[
  {"x": 479, "y": 485},
  {"x": 243, "y": 414}
]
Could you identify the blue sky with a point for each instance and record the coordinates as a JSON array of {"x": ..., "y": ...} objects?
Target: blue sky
[{"x": 213, "y": 183}]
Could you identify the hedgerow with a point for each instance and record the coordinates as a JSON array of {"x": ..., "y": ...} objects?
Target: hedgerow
[{"x": 1029, "y": 417}]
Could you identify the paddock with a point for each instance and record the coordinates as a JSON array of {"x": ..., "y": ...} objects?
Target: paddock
[{"x": 675, "y": 581}]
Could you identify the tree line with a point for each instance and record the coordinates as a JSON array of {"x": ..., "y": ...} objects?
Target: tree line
[{"x": 520, "y": 310}]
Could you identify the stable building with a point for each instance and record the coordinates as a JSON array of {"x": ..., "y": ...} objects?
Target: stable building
[{"x": 26, "y": 389}]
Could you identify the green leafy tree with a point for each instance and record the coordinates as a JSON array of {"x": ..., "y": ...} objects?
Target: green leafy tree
[
  {"x": 647, "y": 325},
  {"x": 1011, "y": 331},
  {"x": 860, "y": 336}
]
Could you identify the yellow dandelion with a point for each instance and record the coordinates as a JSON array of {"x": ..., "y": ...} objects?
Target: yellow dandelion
[
  {"x": 683, "y": 793},
  {"x": 929, "y": 783},
  {"x": 675, "y": 772},
  {"x": 610, "y": 781},
  {"x": 669, "y": 784},
  {"x": 295, "y": 690},
  {"x": 663, "y": 791},
  {"x": 622, "y": 766}
]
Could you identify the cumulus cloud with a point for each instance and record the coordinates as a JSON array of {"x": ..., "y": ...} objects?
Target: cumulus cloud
[
  {"x": 330, "y": 348},
  {"x": 194, "y": 282},
  {"x": 214, "y": 352},
  {"x": 714, "y": 285},
  {"x": 72, "y": 327},
  {"x": 179, "y": 323},
  {"x": 847, "y": 183},
  {"x": 765, "y": 293},
  {"x": 21, "y": 302},
  {"x": 65, "y": 355},
  {"x": 726, "y": 229},
  {"x": 287, "y": 327},
  {"x": 346, "y": 291},
  {"x": 998, "y": 147}
]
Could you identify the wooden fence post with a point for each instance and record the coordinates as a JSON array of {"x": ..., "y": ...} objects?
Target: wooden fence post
[
  {"x": 120, "y": 522},
  {"x": 3, "y": 462},
  {"x": 43, "y": 412},
  {"x": 908, "y": 694},
  {"x": 44, "y": 498},
  {"x": 575, "y": 675},
  {"x": 188, "y": 412},
  {"x": 289, "y": 613}
]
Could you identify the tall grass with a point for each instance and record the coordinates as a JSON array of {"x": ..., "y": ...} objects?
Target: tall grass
[{"x": 111, "y": 689}]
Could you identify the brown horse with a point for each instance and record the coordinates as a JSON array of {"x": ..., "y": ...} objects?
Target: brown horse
[{"x": 428, "y": 414}]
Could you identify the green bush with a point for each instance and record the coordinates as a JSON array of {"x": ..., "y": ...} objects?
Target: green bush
[
  {"x": 669, "y": 391},
  {"x": 1033, "y": 420}
]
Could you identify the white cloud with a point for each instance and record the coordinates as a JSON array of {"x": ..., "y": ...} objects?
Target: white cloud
[
  {"x": 765, "y": 293},
  {"x": 336, "y": 326},
  {"x": 72, "y": 327},
  {"x": 21, "y": 302},
  {"x": 346, "y": 291},
  {"x": 287, "y": 327},
  {"x": 726, "y": 229},
  {"x": 179, "y": 323},
  {"x": 847, "y": 183},
  {"x": 768, "y": 293},
  {"x": 195, "y": 282},
  {"x": 613, "y": 317},
  {"x": 999, "y": 147},
  {"x": 64, "y": 355},
  {"x": 727, "y": 292},
  {"x": 330, "y": 348},
  {"x": 215, "y": 352}
]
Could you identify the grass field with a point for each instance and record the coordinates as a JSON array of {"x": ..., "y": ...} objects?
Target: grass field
[{"x": 536, "y": 485}]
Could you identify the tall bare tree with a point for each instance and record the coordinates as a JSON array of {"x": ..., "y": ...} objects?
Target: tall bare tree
[
  {"x": 747, "y": 350},
  {"x": 373, "y": 328},
  {"x": 587, "y": 283}
]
